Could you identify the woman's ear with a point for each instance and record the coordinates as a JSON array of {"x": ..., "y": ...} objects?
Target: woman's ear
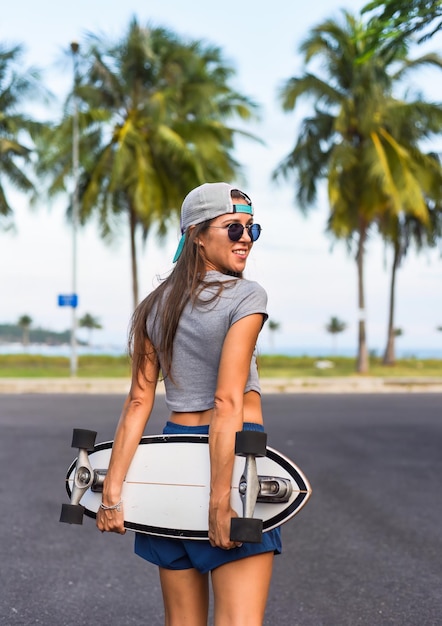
[{"x": 197, "y": 239}]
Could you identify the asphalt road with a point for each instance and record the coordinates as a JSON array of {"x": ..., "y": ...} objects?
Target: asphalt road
[{"x": 366, "y": 550}]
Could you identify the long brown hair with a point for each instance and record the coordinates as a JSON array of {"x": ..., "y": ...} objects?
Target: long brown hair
[{"x": 185, "y": 283}]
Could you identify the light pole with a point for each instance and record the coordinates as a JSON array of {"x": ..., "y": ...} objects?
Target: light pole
[{"x": 75, "y": 170}]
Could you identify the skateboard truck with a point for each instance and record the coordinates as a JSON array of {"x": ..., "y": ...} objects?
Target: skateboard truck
[
  {"x": 273, "y": 489},
  {"x": 84, "y": 477},
  {"x": 249, "y": 444},
  {"x": 253, "y": 488}
]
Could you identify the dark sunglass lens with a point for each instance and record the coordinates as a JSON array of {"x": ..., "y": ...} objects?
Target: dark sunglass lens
[
  {"x": 254, "y": 231},
  {"x": 235, "y": 231}
]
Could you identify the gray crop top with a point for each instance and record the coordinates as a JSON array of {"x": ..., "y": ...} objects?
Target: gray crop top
[{"x": 199, "y": 340}]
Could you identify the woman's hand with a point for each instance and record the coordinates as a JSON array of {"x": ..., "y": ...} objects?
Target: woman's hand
[
  {"x": 219, "y": 526},
  {"x": 111, "y": 520}
]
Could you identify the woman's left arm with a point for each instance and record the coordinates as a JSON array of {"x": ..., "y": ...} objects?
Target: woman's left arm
[
  {"x": 134, "y": 417},
  {"x": 227, "y": 418}
]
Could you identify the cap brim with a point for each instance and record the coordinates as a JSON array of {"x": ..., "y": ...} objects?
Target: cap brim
[{"x": 180, "y": 248}]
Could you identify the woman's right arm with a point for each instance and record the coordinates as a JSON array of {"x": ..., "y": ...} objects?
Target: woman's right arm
[
  {"x": 227, "y": 418},
  {"x": 134, "y": 417}
]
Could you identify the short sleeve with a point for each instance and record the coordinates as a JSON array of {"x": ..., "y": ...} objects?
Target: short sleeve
[{"x": 251, "y": 298}]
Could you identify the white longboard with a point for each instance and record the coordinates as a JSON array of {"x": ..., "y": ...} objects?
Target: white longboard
[{"x": 166, "y": 490}]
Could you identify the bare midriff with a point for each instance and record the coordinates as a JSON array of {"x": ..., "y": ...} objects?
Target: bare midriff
[{"x": 252, "y": 413}]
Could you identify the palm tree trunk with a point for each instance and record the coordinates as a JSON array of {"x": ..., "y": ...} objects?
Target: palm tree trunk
[
  {"x": 25, "y": 336},
  {"x": 362, "y": 359},
  {"x": 389, "y": 355},
  {"x": 133, "y": 255}
]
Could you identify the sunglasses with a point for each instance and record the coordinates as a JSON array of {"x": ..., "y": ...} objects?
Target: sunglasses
[{"x": 235, "y": 231}]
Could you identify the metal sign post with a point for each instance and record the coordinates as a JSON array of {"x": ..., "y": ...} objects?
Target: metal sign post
[{"x": 75, "y": 170}]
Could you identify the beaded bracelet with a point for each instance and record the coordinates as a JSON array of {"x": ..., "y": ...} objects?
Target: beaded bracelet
[{"x": 114, "y": 507}]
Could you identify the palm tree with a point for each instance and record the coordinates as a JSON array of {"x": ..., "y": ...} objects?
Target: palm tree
[
  {"x": 90, "y": 322},
  {"x": 401, "y": 18},
  {"x": 17, "y": 87},
  {"x": 414, "y": 123},
  {"x": 351, "y": 139},
  {"x": 335, "y": 326},
  {"x": 400, "y": 233},
  {"x": 273, "y": 326},
  {"x": 153, "y": 119},
  {"x": 25, "y": 322}
]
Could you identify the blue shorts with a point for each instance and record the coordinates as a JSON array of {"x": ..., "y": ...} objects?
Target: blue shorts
[{"x": 187, "y": 553}]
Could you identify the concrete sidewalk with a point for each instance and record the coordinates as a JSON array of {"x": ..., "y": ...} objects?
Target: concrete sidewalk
[{"x": 350, "y": 384}]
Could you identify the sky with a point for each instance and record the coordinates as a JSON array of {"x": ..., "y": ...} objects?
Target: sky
[{"x": 308, "y": 277}]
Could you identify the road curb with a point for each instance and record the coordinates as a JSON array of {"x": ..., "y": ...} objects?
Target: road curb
[
  {"x": 108, "y": 386},
  {"x": 352, "y": 384}
]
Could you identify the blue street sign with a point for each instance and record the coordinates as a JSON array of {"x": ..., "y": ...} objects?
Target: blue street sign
[{"x": 70, "y": 299}]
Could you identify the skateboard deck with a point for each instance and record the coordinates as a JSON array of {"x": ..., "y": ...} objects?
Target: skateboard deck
[{"x": 166, "y": 490}]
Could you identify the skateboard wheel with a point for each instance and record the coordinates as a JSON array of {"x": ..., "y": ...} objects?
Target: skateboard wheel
[
  {"x": 82, "y": 438},
  {"x": 252, "y": 442},
  {"x": 72, "y": 513},
  {"x": 246, "y": 530}
]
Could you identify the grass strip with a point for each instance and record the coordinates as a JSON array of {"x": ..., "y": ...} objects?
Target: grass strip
[{"x": 270, "y": 366}]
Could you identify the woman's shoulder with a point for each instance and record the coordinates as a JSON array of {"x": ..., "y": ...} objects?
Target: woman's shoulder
[
  {"x": 250, "y": 296},
  {"x": 250, "y": 286}
]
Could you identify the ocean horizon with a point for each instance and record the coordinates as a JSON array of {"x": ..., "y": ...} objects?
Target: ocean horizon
[{"x": 310, "y": 351}]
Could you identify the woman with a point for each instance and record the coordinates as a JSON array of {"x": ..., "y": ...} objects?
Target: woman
[{"x": 199, "y": 330}]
